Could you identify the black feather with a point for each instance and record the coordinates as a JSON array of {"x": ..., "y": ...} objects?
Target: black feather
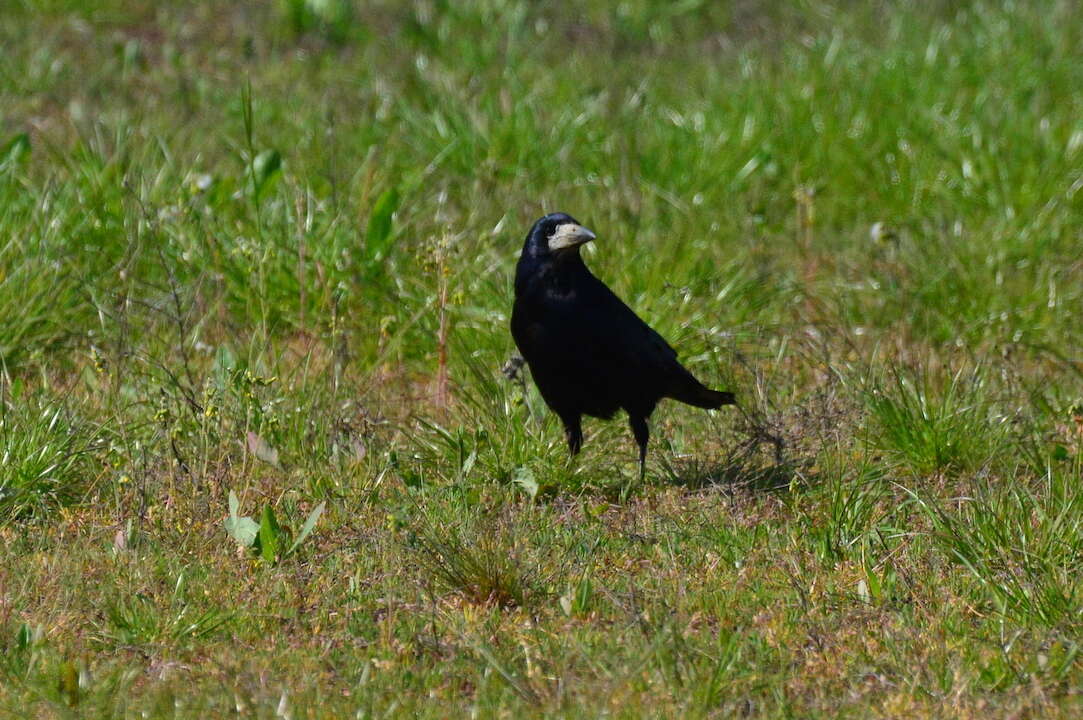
[{"x": 588, "y": 352}]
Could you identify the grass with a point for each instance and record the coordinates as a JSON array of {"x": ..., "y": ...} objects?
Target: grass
[
  {"x": 45, "y": 458},
  {"x": 266, "y": 249},
  {"x": 935, "y": 426}
]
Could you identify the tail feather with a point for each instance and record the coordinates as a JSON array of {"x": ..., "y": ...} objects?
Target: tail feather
[{"x": 695, "y": 393}]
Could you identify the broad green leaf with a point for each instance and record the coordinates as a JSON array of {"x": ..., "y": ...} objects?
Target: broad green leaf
[
  {"x": 269, "y": 532},
  {"x": 310, "y": 523},
  {"x": 242, "y": 529},
  {"x": 378, "y": 234}
]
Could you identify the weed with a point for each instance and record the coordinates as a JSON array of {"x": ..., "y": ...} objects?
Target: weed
[
  {"x": 477, "y": 561},
  {"x": 46, "y": 457},
  {"x": 936, "y": 424}
]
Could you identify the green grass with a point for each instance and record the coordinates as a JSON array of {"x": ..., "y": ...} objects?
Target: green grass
[
  {"x": 230, "y": 232},
  {"x": 937, "y": 426},
  {"x": 45, "y": 455}
]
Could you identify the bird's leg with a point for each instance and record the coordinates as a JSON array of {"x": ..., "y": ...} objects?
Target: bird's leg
[
  {"x": 642, "y": 433},
  {"x": 573, "y": 431}
]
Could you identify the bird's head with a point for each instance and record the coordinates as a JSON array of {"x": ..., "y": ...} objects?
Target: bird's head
[{"x": 555, "y": 235}]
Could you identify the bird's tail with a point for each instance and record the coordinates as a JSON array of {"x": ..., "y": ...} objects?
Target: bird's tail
[{"x": 693, "y": 392}]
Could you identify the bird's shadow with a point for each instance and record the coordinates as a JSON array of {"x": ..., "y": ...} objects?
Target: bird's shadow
[
  {"x": 764, "y": 458},
  {"x": 743, "y": 469}
]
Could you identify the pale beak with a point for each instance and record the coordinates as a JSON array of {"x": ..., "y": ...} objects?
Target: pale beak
[{"x": 569, "y": 235}]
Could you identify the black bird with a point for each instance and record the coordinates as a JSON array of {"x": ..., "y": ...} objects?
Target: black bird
[{"x": 588, "y": 352}]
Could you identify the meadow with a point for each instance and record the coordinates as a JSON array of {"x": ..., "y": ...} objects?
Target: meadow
[{"x": 258, "y": 454}]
